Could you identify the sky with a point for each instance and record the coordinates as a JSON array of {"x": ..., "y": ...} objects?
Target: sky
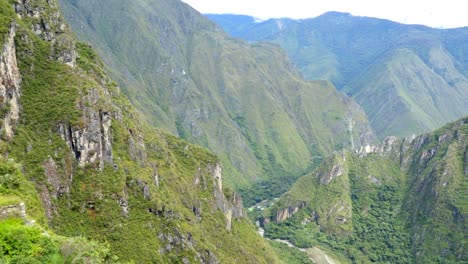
[{"x": 433, "y": 13}]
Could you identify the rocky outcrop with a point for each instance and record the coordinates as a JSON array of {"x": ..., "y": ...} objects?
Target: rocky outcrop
[
  {"x": 207, "y": 258},
  {"x": 14, "y": 210},
  {"x": 91, "y": 144},
  {"x": 231, "y": 206},
  {"x": 288, "y": 212},
  {"x": 337, "y": 170},
  {"x": 48, "y": 23},
  {"x": 123, "y": 203},
  {"x": 389, "y": 145},
  {"x": 10, "y": 87}
]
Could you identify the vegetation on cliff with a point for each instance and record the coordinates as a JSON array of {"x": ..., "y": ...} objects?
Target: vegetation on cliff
[
  {"x": 87, "y": 165},
  {"x": 402, "y": 202}
]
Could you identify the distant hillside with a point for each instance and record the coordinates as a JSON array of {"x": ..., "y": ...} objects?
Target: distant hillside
[
  {"x": 408, "y": 78},
  {"x": 404, "y": 201},
  {"x": 247, "y": 103}
]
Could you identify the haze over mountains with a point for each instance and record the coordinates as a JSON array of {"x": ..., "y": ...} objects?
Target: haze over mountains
[{"x": 408, "y": 78}]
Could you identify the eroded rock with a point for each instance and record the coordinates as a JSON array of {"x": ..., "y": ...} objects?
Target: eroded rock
[{"x": 10, "y": 86}]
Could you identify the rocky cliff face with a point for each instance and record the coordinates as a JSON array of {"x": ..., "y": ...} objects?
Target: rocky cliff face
[
  {"x": 99, "y": 170},
  {"x": 10, "y": 86},
  {"x": 232, "y": 205},
  {"x": 92, "y": 143},
  {"x": 418, "y": 182}
]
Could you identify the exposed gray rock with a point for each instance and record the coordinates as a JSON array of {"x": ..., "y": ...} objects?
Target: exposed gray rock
[
  {"x": 92, "y": 143},
  {"x": 288, "y": 212},
  {"x": 336, "y": 171},
  {"x": 48, "y": 24},
  {"x": 232, "y": 207},
  {"x": 374, "y": 180},
  {"x": 145, "y": 190},
  {"x": 156, "y": 179},
  {"x": 388, "y": 147},
  {"x": 420, "y": 141},
  {"x": 123, "y": 203},
  {"x": 13, "y": 210},
  {"x": 176, "y": 240},
  {"x": 200, "y": 179},
  {"x": 10, "y": 86},
  {"x": 47, "y": 21},
  {"x": 197, "y": 211}
]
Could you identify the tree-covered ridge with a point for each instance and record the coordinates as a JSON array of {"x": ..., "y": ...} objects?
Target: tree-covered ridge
[
  {"x": 409, "y": 79},
  {"x": 401, "y": 202},
  {"x": 87, "y": 165}
]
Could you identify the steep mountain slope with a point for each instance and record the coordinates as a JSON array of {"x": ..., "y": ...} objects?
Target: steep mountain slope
[
  {"x": 409, "y": 79},
  {"x": 78, "y": 159},
  {"x": 401, "y": 202},
  {"x": 246, "y": 103}
]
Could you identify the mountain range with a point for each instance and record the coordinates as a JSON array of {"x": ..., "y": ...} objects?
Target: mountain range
[
  {"x": 409, "y": 79},
  {"x": 143, "y": 133}
]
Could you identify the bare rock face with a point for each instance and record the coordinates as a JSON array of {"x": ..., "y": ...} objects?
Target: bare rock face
[
  {"x": 10, "y": 87},
  {"x": 217, "y": 176},
  {"x": 286, "y": 213},
  {"x": 92, "y": 143},
  {"x": 207, "y": 258},
  {"x": 388, "y": 146},
  {"x": 232, "y": 206},
  {"x": 14, "y": 210},
  {"x": 48, "y": 24},
  {"x": 336, "y": 171},
  {"x": 123, "y": 203}
]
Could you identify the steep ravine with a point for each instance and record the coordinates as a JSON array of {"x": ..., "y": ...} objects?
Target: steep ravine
[
  {"x": 407, "y": 195},
  {"x": 246, "y": 103},
  {"x": 88, "y": 167}
]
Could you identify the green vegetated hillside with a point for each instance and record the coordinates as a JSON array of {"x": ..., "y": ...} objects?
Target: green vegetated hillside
[
  {"x": 78, "y": 162},
  {"x": 246, "y": 103},
  {"x": 409, "y": 79},
  {"x": 402, "y": 202}
]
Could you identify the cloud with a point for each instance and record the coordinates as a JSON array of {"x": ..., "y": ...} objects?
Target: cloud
[{"x": 435, "y": 13}]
